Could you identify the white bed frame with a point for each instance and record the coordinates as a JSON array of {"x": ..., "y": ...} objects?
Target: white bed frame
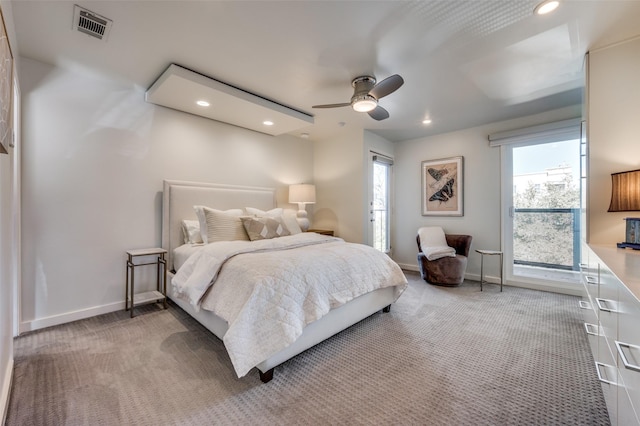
[{"x": 179, "y": 197}]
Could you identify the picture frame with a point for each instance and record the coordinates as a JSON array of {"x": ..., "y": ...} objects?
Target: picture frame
[
  {"x": 442, "y": 187},
  {"x": 6, "y": 89}
]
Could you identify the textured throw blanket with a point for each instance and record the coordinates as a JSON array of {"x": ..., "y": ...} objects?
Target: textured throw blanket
[
  {"x": 433, "y": 243},
  {"x": 269, "y": 290},
  {"x": 434, "y": 253}
]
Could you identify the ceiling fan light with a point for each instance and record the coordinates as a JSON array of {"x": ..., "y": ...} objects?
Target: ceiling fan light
[{"x": 365, "y": 103}]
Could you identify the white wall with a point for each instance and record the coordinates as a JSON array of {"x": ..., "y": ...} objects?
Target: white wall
[
  {"x": 338, "y": 170},
  {"x": 613, "y": 131},
  {"x": 481, "y": 217},
  {"x": 94, "y": 157}
]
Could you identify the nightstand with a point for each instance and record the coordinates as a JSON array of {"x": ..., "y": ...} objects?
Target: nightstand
[
  {"x": 322, "y": 231},
  {"x": 132, "y": 299}
]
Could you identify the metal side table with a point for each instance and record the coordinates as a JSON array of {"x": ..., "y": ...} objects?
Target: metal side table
[
  {"x": 132, "y": 299},
  {"x": 489, "y": 253}
]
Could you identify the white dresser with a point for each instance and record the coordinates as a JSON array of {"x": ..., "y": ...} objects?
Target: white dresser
[{"x": 611, "y": 310}]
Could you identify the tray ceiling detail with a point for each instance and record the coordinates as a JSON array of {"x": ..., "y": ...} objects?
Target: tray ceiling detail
[{"x": 181, "y": 89}]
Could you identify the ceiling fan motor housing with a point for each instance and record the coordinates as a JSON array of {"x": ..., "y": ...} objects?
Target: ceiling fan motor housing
[
  {"x": 363, "y": 85},
  {"x": 366, "y": 94},
  {"x": 361, "y": 100}
]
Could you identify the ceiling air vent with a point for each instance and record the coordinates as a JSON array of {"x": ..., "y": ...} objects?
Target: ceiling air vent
[{"x": 91, "y": 23}]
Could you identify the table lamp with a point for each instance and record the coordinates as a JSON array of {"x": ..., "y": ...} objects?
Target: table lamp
[
  {"x": 625, "y": 197},
  {"x": 302, "y": 194}
]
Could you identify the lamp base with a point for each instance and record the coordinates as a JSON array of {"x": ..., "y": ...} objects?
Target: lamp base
[
  {"x": 301, "y": 217},
  {"x": 630, "y": 245}
]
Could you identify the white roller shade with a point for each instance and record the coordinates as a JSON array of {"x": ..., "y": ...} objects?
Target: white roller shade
[
  {"x": 382, "y": 159},
  {"x": 544, "y": 133}
]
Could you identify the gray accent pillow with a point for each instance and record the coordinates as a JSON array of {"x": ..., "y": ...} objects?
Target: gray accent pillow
[{"x": 264, "y": 228}]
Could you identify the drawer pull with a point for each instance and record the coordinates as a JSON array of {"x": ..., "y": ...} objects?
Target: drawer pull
[
  {"x": 584, "y": 304},
  {"x": 602, "y": 305},
  {"x": 591, "y": 279},
  {"x": 602, "y": 379},
  {"x": 623, "y": 357},
  {"x": 592, "y": 329}
]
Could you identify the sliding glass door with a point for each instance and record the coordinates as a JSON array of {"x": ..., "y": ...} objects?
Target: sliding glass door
[
  {"x": 541, "y": 209},
  {"x": 543, "y": 223}
]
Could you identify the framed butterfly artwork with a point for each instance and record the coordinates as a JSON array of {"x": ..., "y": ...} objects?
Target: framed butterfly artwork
[{"x": 442, "y": 191}]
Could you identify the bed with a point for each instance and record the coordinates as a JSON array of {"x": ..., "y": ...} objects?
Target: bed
[{"x": 179, "y": 199}]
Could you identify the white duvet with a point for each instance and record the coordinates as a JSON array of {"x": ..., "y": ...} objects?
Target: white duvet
[{"x": 269, "y": 290}]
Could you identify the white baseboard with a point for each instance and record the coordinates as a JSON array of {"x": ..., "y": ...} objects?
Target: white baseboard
[
  {"x": 553, "y": 288},
  {"x": 37, "y": 324},
  {"x": 408, "y": 267},
  {"x": 6, "y": 389},
  {"x": 40, "y": 323},
  {"x": 467, "y": 276}
]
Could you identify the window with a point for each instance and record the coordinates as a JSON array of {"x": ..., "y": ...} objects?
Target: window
[{"x": 380, "y": 202}]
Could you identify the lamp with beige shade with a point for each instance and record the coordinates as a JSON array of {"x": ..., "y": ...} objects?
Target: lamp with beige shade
[{"x": 302, "y": 194}]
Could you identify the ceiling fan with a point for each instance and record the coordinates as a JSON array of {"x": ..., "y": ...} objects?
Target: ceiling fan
[{"x": 366, "y": 94}]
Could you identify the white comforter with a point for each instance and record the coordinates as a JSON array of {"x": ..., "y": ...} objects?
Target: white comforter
[{"x": 268, "y": 292}]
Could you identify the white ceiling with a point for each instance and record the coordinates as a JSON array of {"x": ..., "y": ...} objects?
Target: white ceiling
[{"x": 464, "y": 63}]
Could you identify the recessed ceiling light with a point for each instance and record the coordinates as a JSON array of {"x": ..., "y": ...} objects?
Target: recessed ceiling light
[
  {"x": 267, "y": 123},
  {"x": 203, "y": 103},
  {"x": 546, "y": 6},
  {"x": 426, "y": 121},
  {"x": 304, "y": 135}
]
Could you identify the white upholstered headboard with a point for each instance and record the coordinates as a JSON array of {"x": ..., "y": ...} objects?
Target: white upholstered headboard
[{"x": 179, "y": 197}]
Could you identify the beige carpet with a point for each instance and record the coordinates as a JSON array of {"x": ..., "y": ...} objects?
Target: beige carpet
[{"x": 443, "y": 356}]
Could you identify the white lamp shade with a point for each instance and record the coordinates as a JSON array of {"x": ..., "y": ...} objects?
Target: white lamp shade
[{"x": 302, "y": 194}]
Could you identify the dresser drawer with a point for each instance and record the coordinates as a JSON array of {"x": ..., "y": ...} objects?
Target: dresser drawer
[
  {"x": 594, "y": 334},
  {"x": 608, "y": 376},
  {"x": 628, "y": 345},
  {"x": 607, "y": 306}
]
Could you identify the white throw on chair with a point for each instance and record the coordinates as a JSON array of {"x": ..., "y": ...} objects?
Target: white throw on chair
[{"x": 442, "y": 258}]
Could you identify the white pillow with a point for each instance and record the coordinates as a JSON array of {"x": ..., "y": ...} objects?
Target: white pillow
[
  {"x": 191, "y": 232},
  {"x": 220, "y": 225},
  {"x": 288, "y": 217},
  {"x": 261, "y": 213}
]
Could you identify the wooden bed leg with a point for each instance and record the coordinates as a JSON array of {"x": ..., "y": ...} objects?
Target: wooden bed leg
[
  {"x": 386, "y": 309},
  {"x": 266, "y": 376}
]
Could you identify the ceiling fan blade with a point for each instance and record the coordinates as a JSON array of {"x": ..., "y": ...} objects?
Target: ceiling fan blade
[
  {"x": 379, "y": 113},
  {"x": 332, "y": 105},
  {"x": 387, "y": 86}
]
